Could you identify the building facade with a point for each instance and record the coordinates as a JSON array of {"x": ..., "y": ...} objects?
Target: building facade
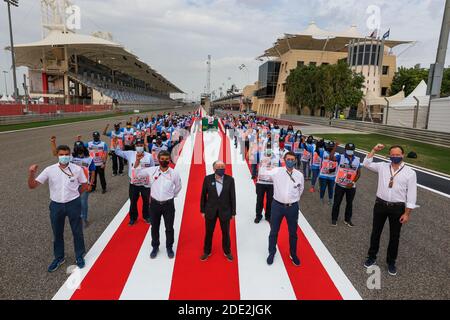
[{"x": 314, "y": 46}]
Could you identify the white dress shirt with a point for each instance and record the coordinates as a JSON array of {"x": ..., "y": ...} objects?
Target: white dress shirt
[
  {"x": 404, "y": 188},
  {"x": 164, "y": 185},
  {"x": 285, "y": 189},
  {"x": 63, "y": 186},
  {"x": 146, "y": 162}
]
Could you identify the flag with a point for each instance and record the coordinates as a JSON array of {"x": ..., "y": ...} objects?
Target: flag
[
  {"x": 387, "y": 34},
  {"x": 374, "y": 34}
]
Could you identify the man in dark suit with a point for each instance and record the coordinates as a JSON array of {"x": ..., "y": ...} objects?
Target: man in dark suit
[{"x": 218, "y": 200}]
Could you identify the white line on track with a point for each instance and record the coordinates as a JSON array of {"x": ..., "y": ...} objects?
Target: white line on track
[
  {"x": 257, "y": 280},
  {"x": 68, "y": 288},
  {"x": 152, "y": 279}
]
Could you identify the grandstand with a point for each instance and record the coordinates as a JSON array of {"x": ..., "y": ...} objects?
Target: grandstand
[{"x": 70, "y": 68}]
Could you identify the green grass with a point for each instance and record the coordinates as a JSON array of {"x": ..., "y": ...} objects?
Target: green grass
[
  {"x": 428, "y": 156},
  {"x": 27, "y": 125}
]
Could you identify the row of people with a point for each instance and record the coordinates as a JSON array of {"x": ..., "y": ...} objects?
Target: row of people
[{"x": 266, "y": 145}]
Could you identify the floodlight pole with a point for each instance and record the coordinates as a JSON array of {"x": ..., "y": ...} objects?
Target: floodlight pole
[{"x": 15, "y": 3}]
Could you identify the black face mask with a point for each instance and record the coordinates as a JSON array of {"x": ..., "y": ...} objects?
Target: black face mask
[
  {"x": 163, "y": 138},
  {"x": 164, "y": 163},
  {"x": 96, "y": 139}
]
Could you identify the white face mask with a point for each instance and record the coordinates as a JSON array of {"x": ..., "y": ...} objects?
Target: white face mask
[
  {"x": 350, "y": 152},
  {"x": 64, "y": 160},
  {"x": 140, "y": 149}
]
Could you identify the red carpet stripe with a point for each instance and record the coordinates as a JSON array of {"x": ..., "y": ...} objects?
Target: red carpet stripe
[
  {"x": 310, "y": 281},
  {"x": 107, "y": 277},
  {"x": 215, "y": 279}
]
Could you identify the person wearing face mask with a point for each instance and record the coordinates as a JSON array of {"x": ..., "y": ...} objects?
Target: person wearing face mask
[
  {"x": 280, "y": 152},
  {"x": 316, "y": 163},
  {"x": 308, "y": 150},
  {"x": 157, "y": 147},
  {"x": 288, "y": 186},
  {"x": 218, "y": 201},
  {"x": 98, "y": 150},
  {"x": 128, "y": 137},
  {"x": 328, "y": 171},
  {"x": 81, "y": 158},
  {"x": 66, "y": 182},
  {"x": 264, "y": 185},
  {"x": 349, "y": 172},
  {"x": 396, "y": 199},
  {"x": 117, "y": 162},
  {"x": 139, "y": 186},
  {"x": 165, "y": 185}
]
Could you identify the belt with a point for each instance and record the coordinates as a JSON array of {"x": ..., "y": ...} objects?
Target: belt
[
  {"x": 286, "y": 205},
  {"x": 390, "y": 204},
  {"x": 161, "y": 202}
]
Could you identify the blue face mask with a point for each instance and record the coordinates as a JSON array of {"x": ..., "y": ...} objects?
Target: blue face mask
[
  {"x": 290, "y": 164},
  {"x": 64, "y": 160},
  {"x": 396, "y": 160},
  {"x": 220, "y": 172}
]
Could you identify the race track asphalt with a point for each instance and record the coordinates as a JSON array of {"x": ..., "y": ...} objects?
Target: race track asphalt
[
  {"x": 26, "y": 247},
  {"x": 26, "y": 237}
]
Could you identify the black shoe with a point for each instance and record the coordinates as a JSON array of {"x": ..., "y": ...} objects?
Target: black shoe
[
  {"x": 229, "y": 256},
  {"x": 270, "y": 259},
  {"x": 295, "y": 260},
  {"x": 334, "y": 223},
  {"x": 370, "y": 263},
  {"x": 132, "y": 222},
  {"x": 154, "y": 253},
  {"x": 258, "y": 220},
  {"x": 55, "y": 265},
  {"x": 170, "y": 253},
  {"x": 103, "y": 191},
  {"x": 268, "y": 218},
  {"x": 205, "y": 256},
  {"x": 349, "y": 224},
  {"x": 114, "y": 174},
  {"x": 392, "y": 269},
  {"x": 147, "y": 220},
  {"x": 80, "y": 262}
]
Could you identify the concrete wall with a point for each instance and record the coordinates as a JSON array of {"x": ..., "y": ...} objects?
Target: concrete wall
[{"x": 440, "y": 115}]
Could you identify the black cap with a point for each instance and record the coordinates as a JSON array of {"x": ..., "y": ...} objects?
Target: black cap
[
  {"x": 350, "y": 146},
  {"x": 139, "y": 141},
  {"x": 96, "y": 134}
]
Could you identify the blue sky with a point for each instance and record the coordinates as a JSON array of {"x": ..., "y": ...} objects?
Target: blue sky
[{"x": 175, "y": 36}]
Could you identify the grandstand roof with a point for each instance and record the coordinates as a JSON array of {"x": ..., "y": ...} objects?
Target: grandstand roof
[
  {"x": 315, "y": 38},
  {"x": 104, "y": 52}
]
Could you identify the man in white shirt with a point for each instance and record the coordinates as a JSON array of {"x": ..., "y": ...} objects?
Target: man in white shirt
[
  {"x": 139, "y": 186},
  {"x": 165, "y": 184},
  {"x": 288, "y": 185},
  {"x": 396, "y": 198},
  {"x": 64, "y": 180}
]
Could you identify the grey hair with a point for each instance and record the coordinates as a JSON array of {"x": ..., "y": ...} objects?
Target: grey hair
[{"x": 216, "y": 162}]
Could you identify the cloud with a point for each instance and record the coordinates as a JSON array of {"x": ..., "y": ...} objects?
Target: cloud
[{"x": 175, "y": 36}]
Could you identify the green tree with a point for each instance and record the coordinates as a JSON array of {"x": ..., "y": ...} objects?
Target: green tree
[
  {"x": 408, "y": 77},
  {"x": 328, "y": 86}
]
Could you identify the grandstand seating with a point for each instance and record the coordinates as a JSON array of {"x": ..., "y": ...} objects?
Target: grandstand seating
[{"x": 124, "y": 95}]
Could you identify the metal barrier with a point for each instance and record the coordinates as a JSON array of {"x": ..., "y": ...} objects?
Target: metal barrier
[{"x": 421, "y": 135}]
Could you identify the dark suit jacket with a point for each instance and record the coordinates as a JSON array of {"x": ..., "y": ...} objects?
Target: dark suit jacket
[{"x": 211, "y": 203}]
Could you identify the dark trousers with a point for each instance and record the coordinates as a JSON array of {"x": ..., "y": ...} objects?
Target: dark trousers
[
  {"x": 254, "y": 170},
  {"x": 134, "y": 193},
  {"x": 339, "y": 193},
  {"x": 381, "y": 213},
  {"x": 210, "y": 224},
  {"x": 261, "y": 190},
  {"x": 324, "y": 183},
  {"x": 278, "y": 213},
  {"x": 167, "y": 211},
  {"x": 58, "y": 214},
  {"x": 99, "y": 172},
  {"x": 117, "y": 163}
]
